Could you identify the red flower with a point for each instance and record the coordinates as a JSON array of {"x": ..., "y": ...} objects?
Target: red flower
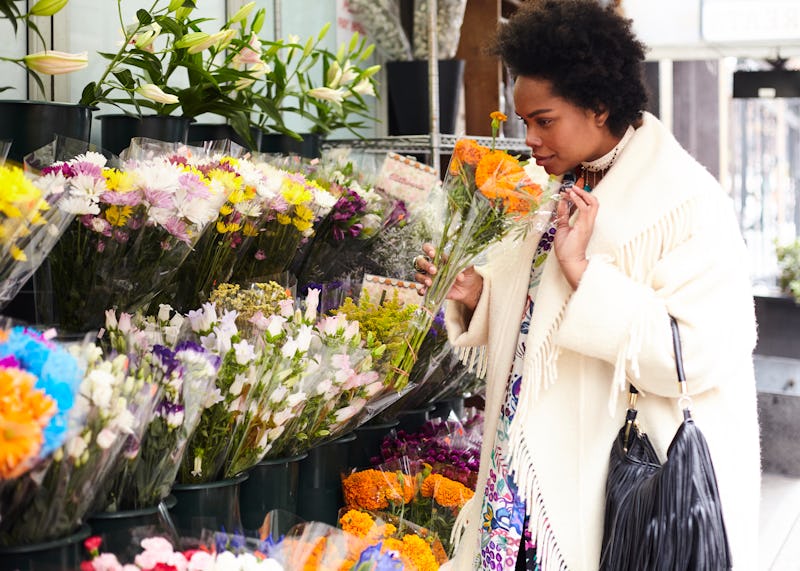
[
  {"x": 87, "y": 566},
  {"x": 92, "y": 544},
  {"x": 164, "y": 567}
]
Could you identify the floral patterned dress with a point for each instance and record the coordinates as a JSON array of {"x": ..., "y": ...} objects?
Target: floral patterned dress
[{"x": 504, "y": 522}]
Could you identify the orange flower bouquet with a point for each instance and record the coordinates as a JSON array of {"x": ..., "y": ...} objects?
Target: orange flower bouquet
[{"x": 490, "y": 194}]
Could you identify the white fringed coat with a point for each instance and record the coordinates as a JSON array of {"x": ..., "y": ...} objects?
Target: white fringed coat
[{"x": 665, "y": 242}]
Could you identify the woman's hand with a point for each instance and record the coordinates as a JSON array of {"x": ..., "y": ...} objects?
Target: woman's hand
[
  {"x": 466, "y": 289},
  {"x": 570, "y": 242}
]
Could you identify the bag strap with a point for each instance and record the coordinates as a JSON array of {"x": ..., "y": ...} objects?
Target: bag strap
[{"x": 684, "y": 401}]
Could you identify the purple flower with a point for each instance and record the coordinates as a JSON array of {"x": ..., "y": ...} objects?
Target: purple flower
[{"x": 62, "y": 168}]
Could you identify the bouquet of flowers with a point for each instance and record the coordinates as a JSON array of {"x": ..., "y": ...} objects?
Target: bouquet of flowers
[
  {"x": 489, "y": 196},
  {"x": 415, "y": 546},
  {"x": 293, "y": 209},
  {"x": 249, "y": 189},
  {"x": 446, "y": 446},
  {"x": 184, "y": 373},
  {"x": 39, "y": 383},
  {"x": 158, "y": 554},
  {"x": 29, "y": 227},
  {"x": 135, "y": 227},
  {"x": 110, "y": 406},
  {"x": 359, "y": 215},
  {"x": 409, "y": 490}
]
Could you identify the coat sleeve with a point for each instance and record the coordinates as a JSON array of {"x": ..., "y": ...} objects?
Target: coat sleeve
[{"x": 703, "y": 282}]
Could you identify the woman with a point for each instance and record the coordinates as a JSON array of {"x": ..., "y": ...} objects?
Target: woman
[{"x": 646, "y": 233}]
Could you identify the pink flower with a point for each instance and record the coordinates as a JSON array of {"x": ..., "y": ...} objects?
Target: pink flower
[
  {"x": 158, "y": 198},
  {"x": 131, "y": 198},
  {"x": 177, "y": 228},
  {"x": 260, "y": 255},
  {"x": 106, "y": 562}
]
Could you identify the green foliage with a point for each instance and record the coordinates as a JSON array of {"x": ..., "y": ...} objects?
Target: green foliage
[{"x": 789, "y": 265}]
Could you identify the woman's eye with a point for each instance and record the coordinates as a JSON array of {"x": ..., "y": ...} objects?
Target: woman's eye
[{"x": 544, "y": 122}]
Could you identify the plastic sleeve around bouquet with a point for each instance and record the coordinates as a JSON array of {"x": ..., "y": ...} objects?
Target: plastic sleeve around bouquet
[
  {"x": 209, "y": 447},
  {"x": 135, "y": 227},
  {"x": 110, "y": 406},
  {"x": 30, "y": 225},
  {"x": 489, "y": 195},
  {"x": 415, "y": 546},
  {"x": 149, "y": 464}
]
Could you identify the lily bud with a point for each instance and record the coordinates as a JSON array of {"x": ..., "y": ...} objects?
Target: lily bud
[
  {"x": 143, "y": 40},
  {"x": 364, "y": 87},
  {"x": 155, "y": 93},
  {"x": 334, "y": 77},
  {"x": 223, "y": 38},
  {"x": 51, "y": 62},
  {"x": 47, "y": 7},
  {"x": 243, "y": 12},
  {"x": 327, "y": 94},
  {"x": 196, "y": 42},
  {"x": 258, "y": 21},
  {"x": 175, "y": 5}
]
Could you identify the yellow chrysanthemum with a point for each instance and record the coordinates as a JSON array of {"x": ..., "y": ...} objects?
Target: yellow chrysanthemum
[
  {"x": 283, "y": 219},
  {"x": 302, "y": 225},
  {"x": 303, "y": 212},
  {"x": 18, "y": 254},
  {"x": 119, "y": 181},
  {"x": 118, "y": 215},
  {"x": 16, "y": 188},
  {"x": 250, "y": 229},
  {"x": 295, "y": 193},
  {"x": 224, "y": 228},
  {"x": 230, "y": 180},
  {"x": 226, "y": 209}
]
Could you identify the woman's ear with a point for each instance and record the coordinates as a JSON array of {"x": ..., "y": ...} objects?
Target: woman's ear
[{"x": 601, "y": 116}]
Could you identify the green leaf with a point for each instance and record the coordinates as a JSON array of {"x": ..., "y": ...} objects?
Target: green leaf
[
  {"x": 89, "y": 94},
  {"x": 125, "y": 77},
  {"x": 144, "y": 17}
]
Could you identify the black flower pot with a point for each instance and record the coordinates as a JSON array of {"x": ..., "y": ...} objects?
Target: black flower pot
[
  {"x": 320, "y": 493},
  {"x": 310, "y": 146},
  {"x": 443, "y": 408},
  {"x": 212, "y": 505},
  {"x": 31, "y": 125},
  {"x": 123, "y": 531},
  {"x": 116, "y": 131},
  {"x": 409, "y": 104},
  {"x": 63, "y": 554},
  {"x": 273, "y": 484},
  {"x": 412, "y": 420},
  {"x": 202, "y": 132},
  {"x": 367, "y": 444}
]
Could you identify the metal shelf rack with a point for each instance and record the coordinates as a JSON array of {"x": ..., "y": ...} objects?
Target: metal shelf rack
[{"x": 423, "y": 144}]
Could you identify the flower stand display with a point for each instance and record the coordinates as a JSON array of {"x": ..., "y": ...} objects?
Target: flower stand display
[
  {"x": 56, "y": 555},
  {"x": 210, "y": 506},
  {"x": 320, "y": 493},
  {"x": 272, "y": 485},
  {"x": 122, "y": 531}
]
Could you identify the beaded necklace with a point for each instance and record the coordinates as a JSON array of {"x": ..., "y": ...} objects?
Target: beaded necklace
[{"x": 593, "y": 171}]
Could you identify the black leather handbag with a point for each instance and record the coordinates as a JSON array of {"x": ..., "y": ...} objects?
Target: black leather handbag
[{"x": 663, "y": 517}]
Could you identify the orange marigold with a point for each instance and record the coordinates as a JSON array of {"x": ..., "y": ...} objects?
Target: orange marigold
[
  {"x": 466, "y": 151},
  {"x": 374, "y": 489},
  {"x": 24, "y": 412},
  {"x": 499, "y": 175},
  {"x": 417, "y": 554},
  {"x": 358, "y": 523},
  {"x": 498, "y": 116}
]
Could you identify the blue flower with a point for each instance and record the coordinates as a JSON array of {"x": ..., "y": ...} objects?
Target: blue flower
[
  {"x": 373, "y": 560},
  {"x": 58, "y": 374}
]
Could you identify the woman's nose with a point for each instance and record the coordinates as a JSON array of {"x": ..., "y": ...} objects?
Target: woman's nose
[{"x": 531, "y": 139}]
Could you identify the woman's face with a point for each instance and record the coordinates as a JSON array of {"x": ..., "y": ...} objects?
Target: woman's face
[{"x": 560, "y": 134}]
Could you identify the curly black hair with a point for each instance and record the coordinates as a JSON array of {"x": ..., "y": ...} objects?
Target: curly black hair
[{"x": 588, "y": 52}]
